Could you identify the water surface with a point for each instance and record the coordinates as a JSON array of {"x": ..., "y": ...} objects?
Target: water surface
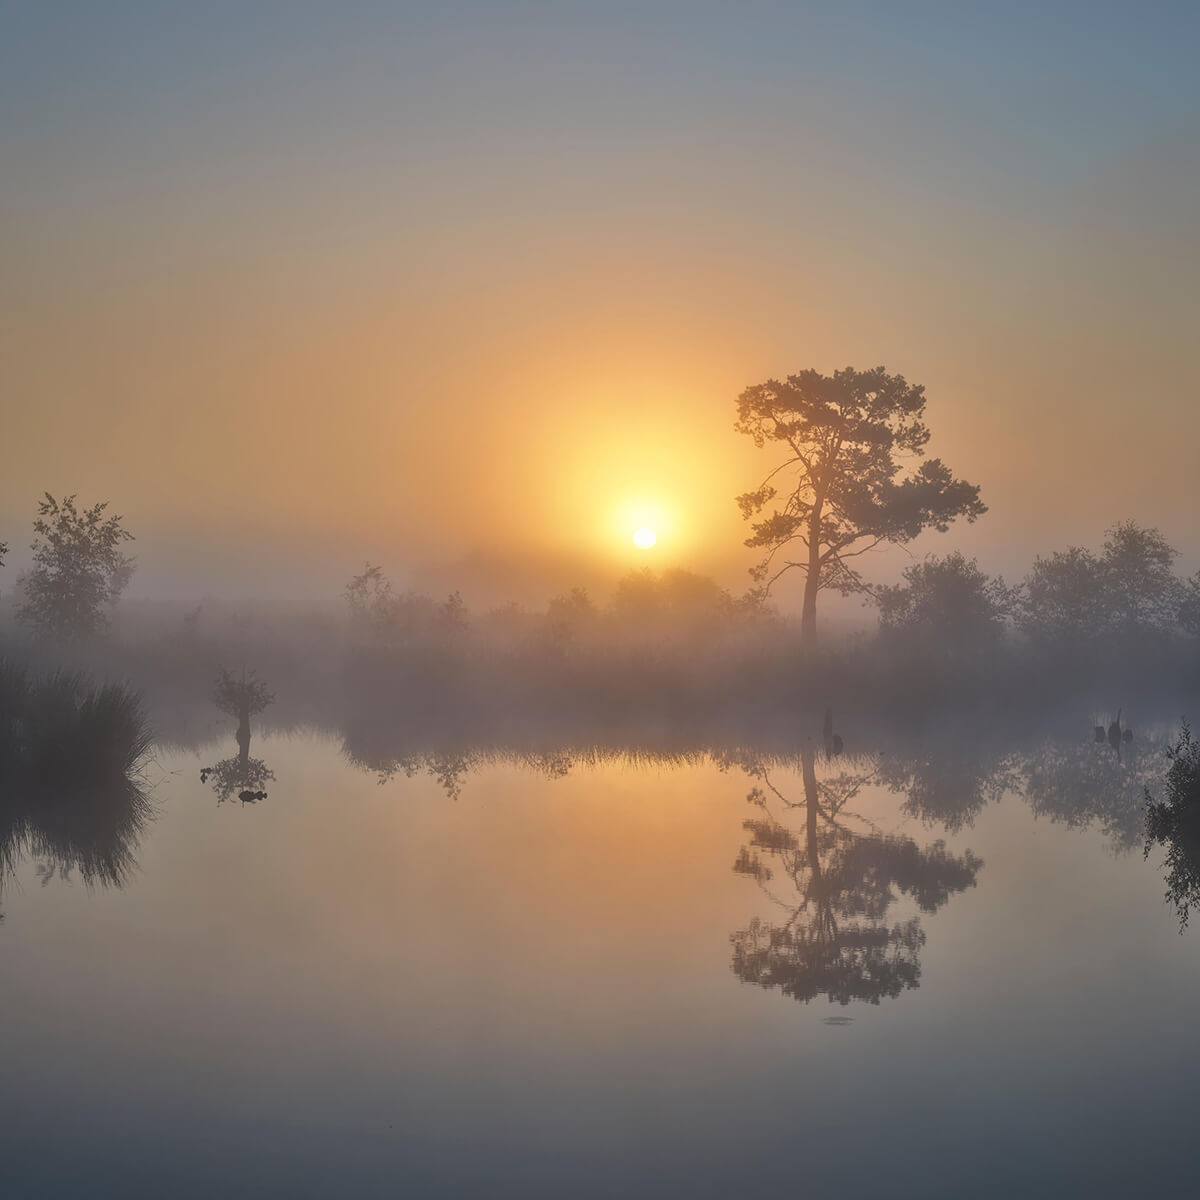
[{"x": 569, "y": 974}]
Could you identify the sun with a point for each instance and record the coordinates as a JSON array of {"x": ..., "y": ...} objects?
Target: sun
[{"x": 644, "y": 538}]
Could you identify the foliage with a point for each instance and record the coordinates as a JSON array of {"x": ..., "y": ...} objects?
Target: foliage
[
  {"x": 1175, "y": 824},
  {"x": 241, "y": 698},
  {"x": 571, "y": 612},
  {"x": 947, "y": 603},
  {"x": 78, "y": 569},
  {"x": 845, "y": 438},
  {"x": 382, "y": 615},
  {"x": 453, "y": 616},
  {"x": 1129, "y": 590},
  {"x": 1064, "y": 597},
  {"x": 1141, "y": 593},
  {"x": 370, "y": 598},
  {"x": 673, "y": 593}
]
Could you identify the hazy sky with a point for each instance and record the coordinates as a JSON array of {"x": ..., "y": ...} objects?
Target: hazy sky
[{"x": 298, "y": 284}]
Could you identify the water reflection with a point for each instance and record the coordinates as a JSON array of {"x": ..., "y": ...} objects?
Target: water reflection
[
  {"x": 242, "y": 776},
  {"x": 836, "y": 879},
  {"x": 68, "y": 795},
  {"x": 1081, "y": 785}
]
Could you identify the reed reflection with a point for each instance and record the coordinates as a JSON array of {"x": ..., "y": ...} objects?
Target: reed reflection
[
  {"x": 836, "y": 878},
  {"x": 69, "y": 794}
]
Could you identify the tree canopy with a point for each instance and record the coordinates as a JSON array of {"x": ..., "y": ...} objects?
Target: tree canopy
[
  {"x": 849, "y": 479},
  {"x": 946, "y": 604},
  {"x": 1128, "y": 590}
]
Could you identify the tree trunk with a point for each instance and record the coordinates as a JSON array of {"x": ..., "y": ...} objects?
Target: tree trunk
[
  {"x": 812, "y": 578},
  {"x": 808, "y": 616},
  {"x": 809, "y": 771}
]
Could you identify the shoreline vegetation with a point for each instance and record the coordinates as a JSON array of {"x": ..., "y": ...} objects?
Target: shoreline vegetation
[
  {"x": 70, "y": 791},
  {"x": 672, "y": 652}
]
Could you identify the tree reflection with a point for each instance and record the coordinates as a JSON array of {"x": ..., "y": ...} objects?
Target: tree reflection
[
  {"x": 949, "y": 782},
  {"x": 840, "y": 884},
  {"x": 241, "y": 776},
  {"x": 1081, "y": 784}
]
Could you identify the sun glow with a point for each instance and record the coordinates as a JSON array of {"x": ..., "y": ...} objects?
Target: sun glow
[{"x": 643, "y": 523}]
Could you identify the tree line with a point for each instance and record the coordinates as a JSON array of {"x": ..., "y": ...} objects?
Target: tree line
[{"x": 849, "y": 474}]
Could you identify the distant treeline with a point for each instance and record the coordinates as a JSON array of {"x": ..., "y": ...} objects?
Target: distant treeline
[
  {"x": 1082, "y": 629},
  {"x": 949, "y": 604}
]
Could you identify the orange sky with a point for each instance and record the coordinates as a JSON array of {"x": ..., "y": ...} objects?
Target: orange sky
[{"x": 284, "y": 329}]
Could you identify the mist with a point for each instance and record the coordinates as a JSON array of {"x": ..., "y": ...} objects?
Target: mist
[{"x": 598, "y": 600}]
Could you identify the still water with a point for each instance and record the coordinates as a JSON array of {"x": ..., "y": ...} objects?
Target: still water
[{"x": 604, "y": 974}]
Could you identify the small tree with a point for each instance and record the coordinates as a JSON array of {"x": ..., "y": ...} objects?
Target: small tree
[
  {"x": 452, "y": 616},
  {"x": 371, "y": 599},
  {"x": 242, "y": 698},
  {"x": 846, "y": 436},
  {"x": 570, "y": 613},
  {"x": 78, "y": 570}
]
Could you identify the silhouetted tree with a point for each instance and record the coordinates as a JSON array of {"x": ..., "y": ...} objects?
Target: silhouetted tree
[
  {"x": 845, "y": 436},
  {"x": 452, "y": 616},
  {"x": 1064, "y": 597},
  {"x": 370, "y": 598},
  {"x": 377, "y": 612},
  {"x": 1175, "y": 824},
  {"x": 1141, "y": 592},
  {"x": 569, "y": 615},
  {"x": 242, "y": 698},
  {"x": 947, "y": 605},
  {"x": 675, "y": 594},
  {"x": 78, "y": 569}
]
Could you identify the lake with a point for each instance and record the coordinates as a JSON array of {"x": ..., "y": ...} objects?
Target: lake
[{"x": 923, "y": 971}]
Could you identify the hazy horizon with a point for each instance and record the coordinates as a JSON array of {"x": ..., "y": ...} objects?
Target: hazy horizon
[{"x": 294, "y": 291}]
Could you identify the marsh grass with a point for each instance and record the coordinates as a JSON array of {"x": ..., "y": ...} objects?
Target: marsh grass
[{"x": 69, "y": 757}]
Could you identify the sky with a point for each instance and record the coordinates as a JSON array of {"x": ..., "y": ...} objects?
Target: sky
[{"x": 470, "y": 289}]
